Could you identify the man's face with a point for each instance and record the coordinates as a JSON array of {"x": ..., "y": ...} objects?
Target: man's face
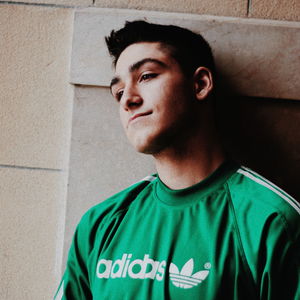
[{"x": 155, "y": 97}]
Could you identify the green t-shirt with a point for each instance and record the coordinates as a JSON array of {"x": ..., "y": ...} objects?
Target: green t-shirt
[{"x": 232, "y": 236}]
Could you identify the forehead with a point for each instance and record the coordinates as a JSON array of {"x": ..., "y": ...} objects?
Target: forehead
[{"x": 139, "y": 51}]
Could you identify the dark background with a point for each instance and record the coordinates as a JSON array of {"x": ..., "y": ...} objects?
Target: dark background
[{"x": 264, "y": 135}]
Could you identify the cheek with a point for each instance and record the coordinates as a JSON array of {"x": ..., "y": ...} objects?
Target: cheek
[{"x": 173, "y": 99}]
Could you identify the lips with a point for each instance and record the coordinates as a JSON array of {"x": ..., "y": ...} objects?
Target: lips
[{"x": 138, "y": 115}]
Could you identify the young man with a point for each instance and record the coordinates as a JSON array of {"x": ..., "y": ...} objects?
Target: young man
[{"x": 203, "y": 227}]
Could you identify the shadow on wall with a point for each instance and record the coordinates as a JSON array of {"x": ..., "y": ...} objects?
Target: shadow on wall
[{"x": 263, "y": 134}]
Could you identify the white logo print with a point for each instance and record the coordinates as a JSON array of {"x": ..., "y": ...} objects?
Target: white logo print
[
  {"x": 185, "y": 278},
  {"x": 148, "y": 268},
  {"x": 136, "y": 269}
]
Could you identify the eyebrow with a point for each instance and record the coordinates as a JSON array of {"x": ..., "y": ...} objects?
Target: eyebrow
[{"x": 136, "y": 66}]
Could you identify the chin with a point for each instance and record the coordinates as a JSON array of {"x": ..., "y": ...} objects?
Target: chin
[
  {"x": 148, "y": 146},
  {"x": 150, "y": 142},
  {"x": 145, "y": 149},
  {"x": 141, "y": 143}
]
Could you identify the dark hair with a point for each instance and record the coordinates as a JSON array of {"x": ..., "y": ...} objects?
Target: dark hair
[{"x": 189, "y": 49}]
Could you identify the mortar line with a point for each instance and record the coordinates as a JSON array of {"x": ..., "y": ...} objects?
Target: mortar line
[
  {"x": 249, "y": 4},
  {"x": 30, "y": 168},
  {"x": 40, "y": 4}
]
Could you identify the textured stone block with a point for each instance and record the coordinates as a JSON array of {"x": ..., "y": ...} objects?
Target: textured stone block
[
  {"x": 35, "y": 95},
  {"x": 60, "y": 2},
  {"x": 276, "y": 9},
  {"x": 237, "y": 8},
  {"x": 31, "y": 221},
  {"x": 256, "y": 57},
  {"x": 102, "y": 162}
]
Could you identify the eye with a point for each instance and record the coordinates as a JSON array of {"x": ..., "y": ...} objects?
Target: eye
[
  {"x": 148, "y": 76},
  {"x": 119, "y": 95}
]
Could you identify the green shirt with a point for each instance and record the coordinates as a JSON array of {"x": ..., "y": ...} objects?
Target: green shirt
[{"x": 232, "y": 236}]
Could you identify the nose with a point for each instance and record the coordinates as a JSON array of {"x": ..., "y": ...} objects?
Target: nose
[{"x": 131, "y": 99}]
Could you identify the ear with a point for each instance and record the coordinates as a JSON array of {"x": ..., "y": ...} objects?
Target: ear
[{"x": 203, "y": 83}]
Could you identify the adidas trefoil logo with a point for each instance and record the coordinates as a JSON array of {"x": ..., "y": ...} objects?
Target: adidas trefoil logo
[{"x": 185, "y": 278}]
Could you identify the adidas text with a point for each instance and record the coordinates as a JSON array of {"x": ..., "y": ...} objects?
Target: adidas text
[
  {"x": 137, "y": 269},
  {"x": 144, "y": 268}
]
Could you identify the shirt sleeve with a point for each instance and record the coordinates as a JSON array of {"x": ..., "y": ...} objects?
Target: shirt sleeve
[
  {"x": 75, "y": 282},
  {"x": 280, "y": 263}
]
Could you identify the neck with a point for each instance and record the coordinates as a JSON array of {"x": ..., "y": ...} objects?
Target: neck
[{"x": 189, "y": 162}]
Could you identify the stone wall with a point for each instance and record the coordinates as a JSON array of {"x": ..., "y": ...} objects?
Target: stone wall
[
  {"x": 35, "y": 124},
  {"x": 264, "y": 9}
]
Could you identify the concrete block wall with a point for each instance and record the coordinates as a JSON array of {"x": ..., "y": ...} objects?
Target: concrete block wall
[
  {"x": 288, "y": 10},
  {"x": 36, "y": 159},
  {"x": 275, "y": 9},
  {"x": 217, "y": 7},
  {"x": 35, "y": 124}
]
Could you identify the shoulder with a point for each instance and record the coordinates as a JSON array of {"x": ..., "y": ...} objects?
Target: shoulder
[
  {"x": 114, "y": 206},
  {"x": 254, "y": 195},
  {"x": 265, "y": 215}
]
